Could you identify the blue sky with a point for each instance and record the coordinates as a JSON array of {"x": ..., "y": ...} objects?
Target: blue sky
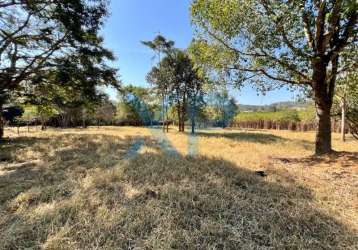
[{"x": 133, "y": 21}]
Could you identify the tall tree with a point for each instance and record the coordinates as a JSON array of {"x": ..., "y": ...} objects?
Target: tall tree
[
  {"x": 177, "y": 73},
  {"x": 161, "y": 46},
  {"x": 276, "y": 42},
  {"x": 36, "y": 36}
]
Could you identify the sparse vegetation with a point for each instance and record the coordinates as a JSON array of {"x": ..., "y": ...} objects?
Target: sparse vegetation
[{"x": 80, "y": 188}]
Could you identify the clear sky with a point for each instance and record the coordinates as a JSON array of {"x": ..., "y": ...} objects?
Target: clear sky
[{"x": 133, "y": 21}]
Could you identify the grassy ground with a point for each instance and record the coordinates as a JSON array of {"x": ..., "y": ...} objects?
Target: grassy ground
[{"x": 124, "y": 188}]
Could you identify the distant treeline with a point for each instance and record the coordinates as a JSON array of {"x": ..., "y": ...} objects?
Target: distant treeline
[{"x": 287, "y": 119}]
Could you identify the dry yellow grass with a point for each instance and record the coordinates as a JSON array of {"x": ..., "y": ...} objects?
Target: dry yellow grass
[{"x": 88, "y": 189}]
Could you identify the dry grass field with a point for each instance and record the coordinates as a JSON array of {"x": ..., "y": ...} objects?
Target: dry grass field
[{"x": 125, "y": 188}]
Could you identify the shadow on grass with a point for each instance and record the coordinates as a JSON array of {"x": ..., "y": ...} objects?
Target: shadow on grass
[
  {"x": 346, "y": 159},
  {"x": 49, "y": 161},
  {"x": 242, "y": 136},
  {"x": 8, "y": 147},
  {"x": 262, "y": 138},
  {"x": 85, "y": 196}
]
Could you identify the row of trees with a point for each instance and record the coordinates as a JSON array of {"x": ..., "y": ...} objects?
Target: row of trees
[
  {"x": 101, "y": 112},
  {"x": 136, "y": 106}
]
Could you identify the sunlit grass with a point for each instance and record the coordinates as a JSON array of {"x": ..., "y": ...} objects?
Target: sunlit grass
[{"x": 79, "y": 188}]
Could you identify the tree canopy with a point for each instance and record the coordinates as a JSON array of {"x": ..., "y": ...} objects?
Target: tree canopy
[
  {"x": 274, "y": 42},
  {"x": 52, "y": 43}
]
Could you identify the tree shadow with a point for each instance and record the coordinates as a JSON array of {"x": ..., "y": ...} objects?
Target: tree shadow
[
  {"x": 346, "y": 159},
  {"x": 8, "y": 147},
  {"x": 216, "y": 204},
  {"x": 262, "y": 138},
  {"x": 156, "y": 201},
  {"x": 244, "y": 136},
  {"x": 53, "y": 160}
]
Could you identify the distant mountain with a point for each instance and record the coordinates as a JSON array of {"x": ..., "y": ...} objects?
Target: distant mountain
[{"x": 274, "y": 106}]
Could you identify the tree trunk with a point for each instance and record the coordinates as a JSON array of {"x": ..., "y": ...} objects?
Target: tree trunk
[
  {"x": 192, "y": 118},
  {"x": 2, "y": 123},
  {"x": 163, "y": 114},
  {"x": 323, "y": 134},
  {"x": 193, "y": 125},
  {"x": 179, "y": 118},
  {"x": 192, "y": 111},
  {"x": 343, "y": 124},
  {"x": 323, "y": 95},
  {"x": 182, "y": 121},
  {"x": 43, "y": 124}
]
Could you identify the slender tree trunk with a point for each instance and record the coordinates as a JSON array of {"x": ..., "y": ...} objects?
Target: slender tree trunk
[
  {"x": 83, "y": 119},
  {"x": 343, "y": 122},
  {"x": 43, "y": 124},
  {"x": 183, "y": 118},
  {"x": 179, "y": 118},
  {"x": 166, "y": 118},
  {"x": 193, "y": 125},
  {"x": 163, "y": 114},
  {"x": 2, "y": 123}
]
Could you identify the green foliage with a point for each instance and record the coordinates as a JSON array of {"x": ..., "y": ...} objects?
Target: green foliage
[
  {"x": 308, "y": 114},
  {"x": 135, "y": 106},
  {"x": 220, "y": 108},
  {"x": 53, "y": 57},
  {"x": 283, "y": 116},
  {"x": 160, "y": 44},
  {"x": 270, "y": 43},
  {"x": 30, "y": 113},
  {"x": 39, "y": 35}
]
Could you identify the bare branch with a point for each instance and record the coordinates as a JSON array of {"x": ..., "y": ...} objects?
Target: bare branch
[
  {"x": 307, "y": 30},
  {"x": 270, "y": 76}
]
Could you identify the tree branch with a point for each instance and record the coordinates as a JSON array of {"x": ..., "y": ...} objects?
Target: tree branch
[
  {"x": 270, "y": 76},
  {"x": 333, "y": 23},
  {"x": 347, "y": 33},
  {"x": 320, "y": 28},
  {"x": 307, "y": 30}
]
